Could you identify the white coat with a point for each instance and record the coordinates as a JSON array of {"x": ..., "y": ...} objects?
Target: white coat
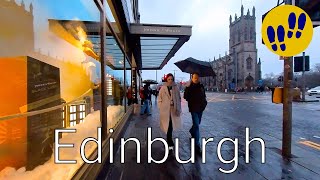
[{"x": 166, "y": 110}]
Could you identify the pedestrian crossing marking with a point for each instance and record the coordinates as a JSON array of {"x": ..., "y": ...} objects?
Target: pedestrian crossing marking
[
  {"x": 255, "y": 98},
  {"x": 220, "y": 98},
  {"x": 311, "y": 144}
]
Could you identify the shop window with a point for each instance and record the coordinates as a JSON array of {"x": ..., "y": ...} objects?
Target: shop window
[
  {"x": 129, "y": 88},
  {"x": 51, "y": 63},
  {"x": 116, "y": 78}
]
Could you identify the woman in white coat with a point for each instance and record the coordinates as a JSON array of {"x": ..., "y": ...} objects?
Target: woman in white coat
[{"x": 169, "y": 103}]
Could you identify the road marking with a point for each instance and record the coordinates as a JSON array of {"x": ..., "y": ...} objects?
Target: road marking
[
  {"x": 217, "y": 100},
  {"x": 254, "y": 97},
  {"x": 311, "y": 144},
  {"x": 316, "y": 137},
  {"x": 211, "y": 99},
  {"x": 302, "y": 138},
  {"x": 233, "y": 97}
]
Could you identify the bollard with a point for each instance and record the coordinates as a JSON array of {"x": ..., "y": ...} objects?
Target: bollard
[
  {"x": 296, "y": 95},
  {"x": 277, "y": 95}
]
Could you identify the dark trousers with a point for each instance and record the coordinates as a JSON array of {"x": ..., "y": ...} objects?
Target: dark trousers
[
  {"x": 130, "y": 102},
  {"x": 169, "y": 133}
]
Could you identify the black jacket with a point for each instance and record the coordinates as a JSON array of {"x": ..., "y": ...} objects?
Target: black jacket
[
  {"x": 196, "y": 96},
  {"x": 147, "y": 93}
]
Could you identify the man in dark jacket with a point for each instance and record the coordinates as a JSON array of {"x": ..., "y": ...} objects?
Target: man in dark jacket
[
  {"x": 196, "y": 96},
  {"x": 147, "y": 98}
]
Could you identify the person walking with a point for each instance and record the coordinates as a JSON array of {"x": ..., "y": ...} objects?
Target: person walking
[
  {"x": 150, "y": 90},
  {"x": 141, "y": 95},
  {"x": 146, "y": 101},
  {"x": 129, "y": 96},
  {"x": 169, "y": 103},
  {"x": 195, "y": 95}
]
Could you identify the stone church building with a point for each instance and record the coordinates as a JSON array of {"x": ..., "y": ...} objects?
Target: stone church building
[{"x": 241, "y": 64}]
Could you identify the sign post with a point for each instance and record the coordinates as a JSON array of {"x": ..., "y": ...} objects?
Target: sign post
[
  {"x": 287, "y": 108},
  {"x": 276, "y": 21}
]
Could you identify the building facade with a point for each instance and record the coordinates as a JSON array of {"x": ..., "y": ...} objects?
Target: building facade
[{"x": 240, "y": 68}]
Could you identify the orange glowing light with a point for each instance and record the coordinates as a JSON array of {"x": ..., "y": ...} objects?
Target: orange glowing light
[
  {"x": 81, "y": 35},
  {"x": 87, "y": 46}
]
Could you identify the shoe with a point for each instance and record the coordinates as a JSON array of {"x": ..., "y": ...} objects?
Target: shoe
[
  {"x": 149, "y": 114},
  {"x": 198, "y": 150},
  {"x": 141, "y": 114},
  {"x": 191, "y": 133},
  {"x": 170, "y": 142}
]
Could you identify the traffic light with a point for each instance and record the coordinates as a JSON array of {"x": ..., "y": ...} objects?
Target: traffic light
[{"x": 298, "y": 64}]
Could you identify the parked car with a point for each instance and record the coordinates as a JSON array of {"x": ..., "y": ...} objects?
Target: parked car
[{"x": 314, "y": 91}]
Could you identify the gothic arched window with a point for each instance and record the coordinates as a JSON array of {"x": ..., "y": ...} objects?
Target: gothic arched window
[
  {"x": 245, "y": 33},
  {"x": 252, "y": 33},
  {"x": 249, "y": 63}
]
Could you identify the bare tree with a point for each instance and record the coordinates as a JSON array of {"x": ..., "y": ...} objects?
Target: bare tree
[{"x": 317, "y": 68}]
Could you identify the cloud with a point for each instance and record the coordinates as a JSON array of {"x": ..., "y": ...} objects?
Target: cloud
[
  {"x": 208, "y": 21},
  {"x": 210, "y": 32},
  {"x": 206, "y": 16}
]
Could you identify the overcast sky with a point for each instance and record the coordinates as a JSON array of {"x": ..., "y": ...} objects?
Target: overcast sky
[{"x": 210, "y": 32}]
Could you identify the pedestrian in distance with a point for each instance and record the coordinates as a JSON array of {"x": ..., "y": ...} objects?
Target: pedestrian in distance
[
  {"x": 150, "y": 90},
  {"x": 196, "y": 97},
  {"x": 129, "y": 96},
  {"x": 169, "y": 104},
  {"x": 141, "y": 95},
  {"x": 146, "y": 101}
]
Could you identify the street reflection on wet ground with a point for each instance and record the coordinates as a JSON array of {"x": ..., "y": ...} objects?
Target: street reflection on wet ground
[{"x": 226, "y": 116}]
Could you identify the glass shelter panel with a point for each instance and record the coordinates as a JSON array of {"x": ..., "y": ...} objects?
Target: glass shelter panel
[{"x": 52, "y": 76}]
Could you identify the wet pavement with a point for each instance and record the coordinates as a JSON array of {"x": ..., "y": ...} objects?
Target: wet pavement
[{"x": 227, "y": 115}]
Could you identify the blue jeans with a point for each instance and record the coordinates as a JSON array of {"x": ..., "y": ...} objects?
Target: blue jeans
[
  {"x": 145, "y": 106},
  {"x": 195, "y": 131}
]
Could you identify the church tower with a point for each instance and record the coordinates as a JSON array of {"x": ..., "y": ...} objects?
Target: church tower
[{"x": 243, "y": 49}]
